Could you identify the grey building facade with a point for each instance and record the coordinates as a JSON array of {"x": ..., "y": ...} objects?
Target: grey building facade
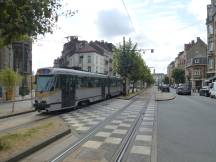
[
  {"x": 18, "y": 57},
  {"x": 93, "y": 56},
  {"x": 211, "y": 38}
]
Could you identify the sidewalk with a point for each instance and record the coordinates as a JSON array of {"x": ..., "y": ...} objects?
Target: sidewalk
[{"x": 17, "y": 107}]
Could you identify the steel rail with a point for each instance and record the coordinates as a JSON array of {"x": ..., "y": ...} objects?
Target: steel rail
[
  {"x": 119, "y": 155},
  {"x": 93, "y": 131}
]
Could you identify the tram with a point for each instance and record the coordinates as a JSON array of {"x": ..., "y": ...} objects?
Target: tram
[{"x": 60, "y": 88}]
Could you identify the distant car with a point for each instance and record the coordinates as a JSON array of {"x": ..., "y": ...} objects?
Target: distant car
[
  {"x": 165, "y": 88},
  {"x": 183, "y": 90},
  {"x": 175, "y": 86},
  {"x": 213, "y": 90},
  {"x": 204, "y": 91}
]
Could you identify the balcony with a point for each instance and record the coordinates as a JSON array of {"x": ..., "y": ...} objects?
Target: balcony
[{"x": 197, "y": 77}]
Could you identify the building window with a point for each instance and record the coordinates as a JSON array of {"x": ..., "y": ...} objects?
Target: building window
[
  {"x": 196, "y": 61},
  {"x": 210, "y": 29},
  {"x": 89, "y": 68},
  {"x": 210, "y": 46},
  {"x": 197, "y": 72},
  {"x": 89, "y": 59},
  {"x": 81, "y": 59},
  {"x": 210, "y": 63},
  {"x": 96, "y": 69},
  {"x": 96, "y": 59}
]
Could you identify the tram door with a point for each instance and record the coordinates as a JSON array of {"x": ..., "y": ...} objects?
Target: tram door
[
  {"x": 103, "y": 88},
  {"x": 68, "y": 91}
]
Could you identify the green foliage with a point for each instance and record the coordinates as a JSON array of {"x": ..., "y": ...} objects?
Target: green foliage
[
  {"x": 166, "y": 80},
  {"x": 24, "y": 91},
  {"x": 129, "y": 64},
  {"x": 178, "y": 75},
  {"x": 9, "y": 79},
  {"x": 25, "y": 19},
  {"x": 8, "y": 140}
]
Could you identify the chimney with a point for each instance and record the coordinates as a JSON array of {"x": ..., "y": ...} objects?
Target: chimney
[{"x": 198, "y": 39}]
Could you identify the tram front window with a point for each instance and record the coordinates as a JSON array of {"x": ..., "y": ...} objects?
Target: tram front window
[{"x": 45, "y": 83}]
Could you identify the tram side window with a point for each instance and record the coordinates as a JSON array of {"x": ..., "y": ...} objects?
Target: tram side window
[
  {"x": 119, "y": 82},
  {"x": 82, "y": 82},
  {"x": 98, "y": 82},
  {"x": 113, "y": 83},
  {"x": 57, "y": 83},
  {"x": 88, "y": 82}
]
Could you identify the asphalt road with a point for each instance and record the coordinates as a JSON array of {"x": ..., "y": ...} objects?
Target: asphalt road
[{"x": 187, "y": 129}]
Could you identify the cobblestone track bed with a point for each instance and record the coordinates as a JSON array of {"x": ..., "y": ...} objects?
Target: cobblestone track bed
[
  {"x": 105, "y": 141},
  {"x": 103, "y": 114}
]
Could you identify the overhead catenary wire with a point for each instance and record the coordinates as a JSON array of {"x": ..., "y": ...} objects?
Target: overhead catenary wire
[{"x": 129, "y": 17}]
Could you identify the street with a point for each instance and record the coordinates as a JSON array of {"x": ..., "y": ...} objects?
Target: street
[
  {"x": 107, "y": 131},
  {"x": 186, "y": 129},
  {"x": 127, "y": 129}
]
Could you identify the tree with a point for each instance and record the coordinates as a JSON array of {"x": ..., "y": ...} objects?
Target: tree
[
  {"x": 123, "y": 60},
  {"x": 127, "y": 62},
  {"x": 8, "y": 80},
  {"x": 166, "y": 80},
  {"x": 178, "y": 75},
  {"x": 25, "y": 19}
]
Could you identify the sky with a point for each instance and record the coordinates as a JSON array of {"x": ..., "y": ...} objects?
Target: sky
[{"x": 162, "y": 25}]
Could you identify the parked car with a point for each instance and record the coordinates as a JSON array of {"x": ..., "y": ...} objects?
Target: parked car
[
  {"x": 213, "y": 90},
  {"x": 184, "y": 90},
  {"x": 204, "y": 91},
  {"x": 165, "y": 88}
]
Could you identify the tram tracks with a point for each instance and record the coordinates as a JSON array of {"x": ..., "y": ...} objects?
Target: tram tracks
[
  {"x": 88, "y": 135},
  {"x": 129, "y": 138},
  {"x": 124, "y": 144}
]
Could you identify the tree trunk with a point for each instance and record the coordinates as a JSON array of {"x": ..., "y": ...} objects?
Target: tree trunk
[
  {"x": 124, "y": 87},
  {"x": 133, "y": 87}
]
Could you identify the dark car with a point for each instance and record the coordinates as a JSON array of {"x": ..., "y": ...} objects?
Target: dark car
[
  {"x": 204, "y": 91},
  {"x": 183, "y": 90},
  {"x": 165, "y": 88}
]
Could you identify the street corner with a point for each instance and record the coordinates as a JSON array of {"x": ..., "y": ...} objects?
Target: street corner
[{"x": 164, "y": 96}]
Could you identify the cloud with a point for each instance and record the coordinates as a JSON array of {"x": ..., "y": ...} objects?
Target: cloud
[
  {"x": 164, "y": 25},
  {"x": 198, "y": 7},
  {"x": 112, "y": 23}
]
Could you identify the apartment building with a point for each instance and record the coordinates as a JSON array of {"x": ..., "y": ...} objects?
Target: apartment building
[
  {"x": 94, "y": 56},
  {"x": 196, "y": 63},
  {"x": 211, "y": 35}
]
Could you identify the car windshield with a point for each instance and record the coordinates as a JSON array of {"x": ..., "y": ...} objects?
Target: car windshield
[{"x": 44, "y": 83}]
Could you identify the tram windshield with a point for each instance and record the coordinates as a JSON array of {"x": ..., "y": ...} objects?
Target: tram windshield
[{"x": 45, "y": 83}]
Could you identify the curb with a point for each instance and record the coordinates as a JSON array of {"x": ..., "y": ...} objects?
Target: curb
[
  {"x": 128, "y": 98},
  {"x": 166, "y": 99},
  {"x": 16, "y": 114},
  {"x": 39, "y": 146},
  {"x": 155, "y": 138}
]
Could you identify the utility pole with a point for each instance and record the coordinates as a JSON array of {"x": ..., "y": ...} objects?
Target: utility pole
[{"x": 125, "y": 78}]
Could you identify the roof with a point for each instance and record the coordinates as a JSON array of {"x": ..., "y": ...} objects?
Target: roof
[{"x": 75, "y": 72}]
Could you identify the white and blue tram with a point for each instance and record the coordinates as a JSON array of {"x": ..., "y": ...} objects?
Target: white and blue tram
[{"x": 59, "y": 88}]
